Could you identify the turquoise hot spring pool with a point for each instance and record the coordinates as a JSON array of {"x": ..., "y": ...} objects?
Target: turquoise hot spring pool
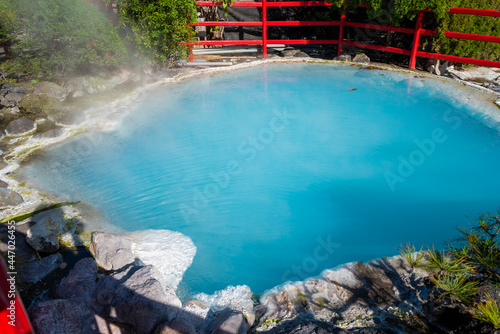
[{"x": 279, "y": 171}]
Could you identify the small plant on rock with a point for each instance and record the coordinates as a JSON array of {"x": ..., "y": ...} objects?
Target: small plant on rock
[
  {"x": 409, "y": 252},
  {"x": 488, "y": 311}
]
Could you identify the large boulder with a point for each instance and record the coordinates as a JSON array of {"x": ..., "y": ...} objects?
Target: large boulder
[
  {"x": 229, "y": 321},
  {"x": 19, "y": 127},
  {"x": 35, "y": 271},
  {"x": 54, "y": 227},
  {"x": 51, "y": 89},
  {"x": 361, "y": 58},
  {"x": 191, "y": 319},
  {"x": 40, "y": 105},
  {"x": 44, "y": 235},
  {"x": 81, "y": 282},
  {"x": 9, "y": 198},
  {"x": 57, "y": 317},
  {"x": 10, "y": 96},
  {"x": 135, "y": 296},
  {"x": 111, "y": 251}
]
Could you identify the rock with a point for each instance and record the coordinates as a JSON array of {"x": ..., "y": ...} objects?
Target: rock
[
  {"x": 477, "y": 74},
  {"x": 301, "y": 54},
  {"x": 170, "y": 252},
  {"x": 3, "y": 184},
  {"x": 289, "y": 52},
  {"x": 111, "y": 251},
  {"x": 135, "y": 296},
  {"x": 53, "y": 228},
  {"x": 433, "y": 67},
  {"x": 9, "y": 198},
  {"x": 361, "y": 58},
  {"x": 498, "y": 103},
  {"x": 54, "y": 133},
  {"x": 10, "y": 96},
  {"x": 57, "y": 317},
  {"x": 343, "y": 57},
  {"x": 175, "y": 327},
  {"x": 40, "y": 105},
  {"x": 229, "y": 321},
  {"x": 19, "y": 127},
  {"x": 73, "y": 117},
  {"x": 87, "y": 85},
  {"x": 192, "y": 318},
  {"x": 44, "y": 235},
  {"x": 33, "y": 272},
  {"x": 81, "y": 282},
  {"x": 51, "y": 89}
]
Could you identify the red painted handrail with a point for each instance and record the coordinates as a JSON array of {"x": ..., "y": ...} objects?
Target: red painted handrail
[{"x": 413, "y": 53}]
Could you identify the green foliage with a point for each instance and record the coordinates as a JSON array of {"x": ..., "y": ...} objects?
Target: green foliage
[
  {"x": 53, "y": 37},
  {"x": 472, "y": 263},
  {"x": 159, "y": 28},
  {"x": 7, "y": 20},
  {"x": 478, "y": 247},
  {"x": 471, "y": 24},
  {"x": 457, "y": 286},
  {"x": 441, "y": 262},
  {"x": 396, "y": 11},
  {"x": 409, "y": 252},
  {"x": 488, "y": 311}
]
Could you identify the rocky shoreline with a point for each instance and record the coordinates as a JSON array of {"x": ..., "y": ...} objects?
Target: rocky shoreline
[{"x": 100, "y": 282}]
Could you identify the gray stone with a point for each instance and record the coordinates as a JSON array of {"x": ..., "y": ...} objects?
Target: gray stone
[
  {"x": 81, "y": 282},
  {"x": 343, "y": 57},
  {"x": 10, "y": 96},
  {"x": 9, "y": 198},
  {"x": 54, "y": 227},
  {"x": 135, "y": 296},
  {"x": 289, "y": 52},
  {"x": 3, "y": 184},
  {"x": 111, "y": 251},
  {"x": 34, "y": 271},
  {"x": 229, "y": 321},
  {"x": 193, "y": 317},
  {"x": 57, "y": 317},
  {"x": 433, "y": 66},
  {"x": 51, "y": 90},
  {"x": 498, "y": 103},
  {"x": 361, "y": 58},
  {"x": 44, "y": 235},
  {"x": 54, "y": 133},
  {"x": 20, "y": 127},
  {"x": 73, "y": 117},
  {"x": 175, "y": 326}
]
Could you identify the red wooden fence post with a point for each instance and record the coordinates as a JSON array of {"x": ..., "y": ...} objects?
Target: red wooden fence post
[
  {"x": 264, "y": 29},
  {"x": 416, "y": 40},
  {"x": 341, "y": 32}
]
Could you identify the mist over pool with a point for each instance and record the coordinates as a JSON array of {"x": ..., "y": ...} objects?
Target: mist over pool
[{"x": 277, "y": 172}]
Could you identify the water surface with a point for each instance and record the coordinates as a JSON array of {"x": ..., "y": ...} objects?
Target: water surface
[{"x": 277, "y": 172}]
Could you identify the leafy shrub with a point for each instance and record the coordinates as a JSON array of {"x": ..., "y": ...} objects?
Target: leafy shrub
[
  {"x": 409, "y": 252},
  {"x": 53, "y": 37},
  {"x": 159, "y": 28}
]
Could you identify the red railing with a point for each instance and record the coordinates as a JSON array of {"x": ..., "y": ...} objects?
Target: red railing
[{"x": 413, "y": 53}]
